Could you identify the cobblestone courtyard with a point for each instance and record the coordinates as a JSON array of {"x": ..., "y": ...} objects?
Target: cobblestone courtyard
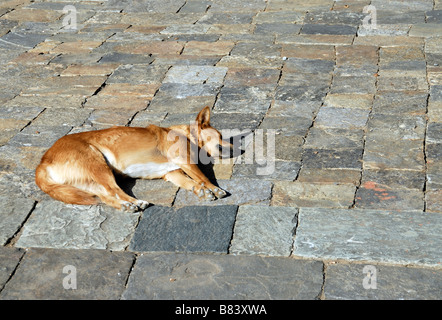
[{"x": 350, "y": 91}]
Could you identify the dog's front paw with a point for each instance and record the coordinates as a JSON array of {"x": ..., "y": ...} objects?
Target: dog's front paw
[
  {"x": 142, "y": 204},
  {"x": 219, "y": 193},
  {"x": 129, "y": 206},
  {"x": 204, "y": 193}
]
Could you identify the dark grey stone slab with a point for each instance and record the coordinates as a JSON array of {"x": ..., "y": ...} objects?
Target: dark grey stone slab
[
  {"x": 9, "y": 259},
  {"x": 188, "y": 229},
  {"x": 434, "y": 16},
  {"x": 350, "y": 282},
  {"x": 293, "y": 93},
  {"x": 42, "y": 275},
  {"x": 15, "y": 40},
  {"x": 126, "y": 58},
  {"x": 180, "y": 276},
  {"x": 313, "y": 66},
  {"x": 329, "y": 158},
  {"x": 334, "y": 138},
  {"x": 284, "y": 170},
  {"x": 411, "y": 103},
  {"x": 277, "y": 28},
  {"x": 334, "y": 29},
  {"x": 13, "y": 212},
  {"x": 403, "y": 237}
]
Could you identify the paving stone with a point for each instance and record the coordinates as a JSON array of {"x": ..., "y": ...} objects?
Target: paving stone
[
  {"x": 126, "y": 58},
  {"x": 245, "y": 99},
  {"x": 329, "y": 176},
  {"x": 300, "y": 51},
  {"x": 345, "y": 281},
  {"x": 402, "y": 84},
  {"x": 188, "y": 229},
  {"x": 304, "y": 79},
  {"x": 264, "y": 230},
  {"x": 313, "y": 66},
  {"x": 138, "y": 74},
  {"x": 393, "y": 154},
  {"x": 283, "y": 170},
  {"x": 251, "y": 77},
  {"x": 316, "y": 39},
  {"x": 293, "y": 93},
  {"x": 9, "y": 260},
  {"x": 195, "y": 75},
  {"x": 241, "y": 121},
  {"x": 158, "y": 192},
  {"x": 239, "y": 191},
  {"x": 332, "y": 29},
  {"x": 384, "y": 30},
  {"x": 277, "y": 28},
  {"x": 279, "y": 16},
  {"x": 13, "y": 213},
  {"x": 181, "y": 276},
  {"x": 14, "y": 40},
  {"x": 433, "y": 200},
  {"x": 54, "y": 224},
  {"x": 42, "y": 274},
  {"x": 286, "y": 193},
  {"x": 334, "y": 17},
  {"x": 298, "y": 108},
  {"x": 370, "y": 235},
  {"x": 354, "y": 84},
  {"x": 154, "y": 6},
  {"x": 331, "y": 158},
  {"x": 372, "y": 195},
  {"x": 238, "y": 6},
  {"x": 395, "y": 179},
  {"x": 332, "y": 138},
  {"x": 426, "y": 30},
  {"x": 39, "y": 136},
  {"x": 390, "y": 41},
  {"x": 404, "y": 128},
  {"x": 204, "y": 48},
  {"x": 412, "y": 103},
  {"x": 342, "y": 118}
]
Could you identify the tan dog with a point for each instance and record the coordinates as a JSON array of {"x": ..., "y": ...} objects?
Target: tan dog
[{"x": 78, "y": 168}]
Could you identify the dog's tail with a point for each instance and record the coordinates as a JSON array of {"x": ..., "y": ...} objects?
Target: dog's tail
[{"x": 62, "y": 192}]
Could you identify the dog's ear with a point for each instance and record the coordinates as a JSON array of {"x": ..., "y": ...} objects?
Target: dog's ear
[{"x": 203, "y": 118}]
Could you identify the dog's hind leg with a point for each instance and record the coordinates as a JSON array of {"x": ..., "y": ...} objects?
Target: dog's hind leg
[{"x": 110, "y": 193}]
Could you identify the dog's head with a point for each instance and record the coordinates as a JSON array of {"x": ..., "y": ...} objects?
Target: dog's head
[{"x": 210, "y": 139}]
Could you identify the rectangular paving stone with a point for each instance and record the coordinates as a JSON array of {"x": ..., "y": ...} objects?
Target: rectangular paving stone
[
  {"x": 344, "y": 118},
  {"x": 264, "y": 230},
  {"x": 297, "y": 194},
  {"x": 186, "y": 276},
  {"x": 13, "y": 213},
  {"x": 331, "y": 158},
  {"x": 329, "y": 176},
  {"x": 239, "y": 191},
  {"x": 44, "y": 273},
  {"x": 334, "y": 138},
  {"x": 39, "y": 136},
  {"x": 54, "y": 224},
  {"x": 9, "y": 260},
  {"x": 283, "y": 170},
  {"x": 332, "y": 29},
  {"x": 195, "y": 74},
  {"x": 188, "y": 229},
  {"x": 345, "y": 281},
  {"x": 394, "y": 102},
  {"x": 402, "y": 237}
]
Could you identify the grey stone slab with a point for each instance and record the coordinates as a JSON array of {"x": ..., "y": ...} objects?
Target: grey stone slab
[
  {"x": 126, "y": 58},
  {"x": 334, "y": 17},
  {"x": 39, "y": 136},
  {"x": 187, "y": 29},
  {"x": 180, "y": 276},
  {"x": 434, "y": 132},
  {"x": 392, "y": 127},
  {"x": 9, "y": 260},
  {"x": 334, "y": 138},
  {"x": 188, "y": 229},
  {"x": 296, "y": 125},
  {"x": 331, "y": 158},
  {"x": 138, "y": 74},
  {"x": 239, "y": 191},
  {"x": 13, "y": 40},
  {"x": 13, "y": 213},
  {"x": 354, "y": 84},
  {"x": 277, "y": 28},
  {"x": 412, "y": 103},
  {"x": 395, "y": 179},
  {"x": 330, "y": 29},
  {"x": 347, "y": 281},
  {"x": 264, "y": 230},
  {"x": 294, "y": 93},
  {"x": 226, "y": 18},
  {"x": 195, "y": 75},
  {"x": 241, "y": 121},
  {"x": 313, "y": 66},
  {"x": 185, "y": 90},
  {"x": 344, "y": 118},
  {"x": 404, "y": 237},
  {"x": 54, "y": 224},
  {"x": 384, "y": 30},
  {"x": 44, "y": 274},
  {"x": 283, "y": 170},
  {"x": 165, "y": 6},
  {"x": 374, "y": 196}
]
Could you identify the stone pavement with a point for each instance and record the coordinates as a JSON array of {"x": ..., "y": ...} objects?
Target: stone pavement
[{"x": 352, "y": 98}]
